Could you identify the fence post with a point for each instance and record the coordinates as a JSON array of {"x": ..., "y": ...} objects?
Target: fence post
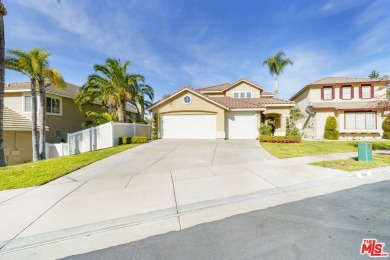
[
  {"x": 112, "y": 134},
  {"x": 47, "y": 151}
]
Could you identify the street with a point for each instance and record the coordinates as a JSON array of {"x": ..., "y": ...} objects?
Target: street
[{"x": 331, "y": 226}]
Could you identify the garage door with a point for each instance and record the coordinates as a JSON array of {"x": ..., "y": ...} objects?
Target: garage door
[
  {"x": 189, "y": 126},
  {"x": 242, "y": 125}
]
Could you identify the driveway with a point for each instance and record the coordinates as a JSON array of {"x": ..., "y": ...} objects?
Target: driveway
[{"x": 168, "y": 155}]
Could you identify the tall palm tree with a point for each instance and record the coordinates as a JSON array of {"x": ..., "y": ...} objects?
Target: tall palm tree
[
  {"x": 276, "y": 65},
  {"x": 140, "y": 91},
  {"x": 34, "y": 64},
  {"x": 110, "y": 85},
  {"x": 3, "y": 12}
]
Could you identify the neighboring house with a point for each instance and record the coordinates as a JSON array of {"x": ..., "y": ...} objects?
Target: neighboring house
[
  {"x": 225, "y": 111},
  {"x": 350, "y": 100},
  {"x": 63, "y": 117}
]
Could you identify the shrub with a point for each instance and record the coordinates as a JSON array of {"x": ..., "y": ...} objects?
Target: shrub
[
  {"x": 139, "y": 139},
  {"x": 279, "y": 139},
  {"x": 386, "y": 124},
  {"x": 331, "y": 135},
  {"x": 133, "y": 139},
  {"x": 380, "y": 146},
  {"x": 265, "y": 129},
  {"x": 331, "y": 131},
  {"x": 155, "y": 127},
  {"x": 386, "y": 135},
  {"x": 293, "y": 132}
]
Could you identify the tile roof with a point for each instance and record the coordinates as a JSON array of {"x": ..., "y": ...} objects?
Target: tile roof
[
  {"x": 269, "y": 101},
  {"x": 342, "y": 80},
  {"x": 264, "y": 93},
  {"x": 70, "y": 90},
  {"x": 219, "y": 87},
  {"x": 15, "y": 121},
  {"x": 246, "y": 103}
]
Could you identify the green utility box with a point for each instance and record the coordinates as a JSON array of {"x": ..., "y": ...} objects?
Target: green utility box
[{"x": 365, "y": 152}]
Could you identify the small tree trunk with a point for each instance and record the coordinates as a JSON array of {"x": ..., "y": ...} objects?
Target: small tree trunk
[
  {"x": 276, "y": 87},
  {"x": 2, "y": 68},
  {"x": 35, "y": 146},
  {"x": 121, "y": 112},
  {"x": 42, "y": 120}
]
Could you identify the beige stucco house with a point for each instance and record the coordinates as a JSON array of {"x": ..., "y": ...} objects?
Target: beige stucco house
[
  {"x": 63, "y": 117},
  {"x": 350, "y": 100},
  {"x": 225, "y": 111}
]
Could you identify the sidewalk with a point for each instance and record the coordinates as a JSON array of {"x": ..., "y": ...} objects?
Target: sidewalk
[{"x": 69, "y": 217}]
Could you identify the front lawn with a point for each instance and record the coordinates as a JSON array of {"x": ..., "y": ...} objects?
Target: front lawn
[
  {"x": 352, "y": 164},
  {"x": 41, "y": 172},
  {"x": 308, "y": 148}
]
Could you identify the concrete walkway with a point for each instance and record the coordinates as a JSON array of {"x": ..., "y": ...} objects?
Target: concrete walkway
[{"x": 155, "y": 188}]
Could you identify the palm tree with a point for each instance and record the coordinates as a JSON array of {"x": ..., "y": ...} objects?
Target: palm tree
[
  {"x": 3, "y": 12},
  {"x": 110, "y": 85},
  {"x": 140, "y": 91},
  {"x": 276, "y": 65},
  {"x": 99, "y": 118},
  {"x": 34, "y": 65}
]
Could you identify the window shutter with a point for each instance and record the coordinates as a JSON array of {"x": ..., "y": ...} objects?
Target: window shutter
[
  {"x": 341, "y": 93},
  {"x": 360, "y": 92},
  {"x": 372, "y": 91},
  {"x": 322, "y": 93},
  {"x": 332, "y": 93},
  {"x": 352, "y": 92}
]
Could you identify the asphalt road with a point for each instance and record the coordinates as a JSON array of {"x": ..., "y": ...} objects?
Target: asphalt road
[{"x": 325, "y": 227}]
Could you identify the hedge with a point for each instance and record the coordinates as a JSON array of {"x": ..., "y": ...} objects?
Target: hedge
[
  {"x": 279, "y": 139},
  {"x": 380, "y": 146},
  {"x": 133, "y": 139}
]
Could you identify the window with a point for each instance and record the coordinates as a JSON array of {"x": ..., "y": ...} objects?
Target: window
[
  {"x": 242, "y": 94},
  {"x": 360, "y": 121},
  {"x": 366, "y": 92},
  {"x": 187, "y": 100},
  {"x": 346, "y": 93},
  {"x": 327, "y": 93},
  {"x": 27, "y": 104},
  {"x": 53, "y": 105}
]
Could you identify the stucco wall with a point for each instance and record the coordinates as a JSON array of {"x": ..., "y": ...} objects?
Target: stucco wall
[
  {"x": 14, "y": 101},
  {"x": 197, "y": 106},
  {"x": 243, "y": 87},
  {"x": 17, "y": 141}
]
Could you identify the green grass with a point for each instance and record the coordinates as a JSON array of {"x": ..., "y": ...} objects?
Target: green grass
[
  {"x": 41, "y": 172},
  {"x": 352, "y": 164},
  {"x": 308, "y": 148}
]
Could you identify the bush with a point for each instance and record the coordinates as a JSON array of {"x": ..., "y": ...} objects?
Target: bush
[
  {"x": 331, "y": 135},
  {"x": 293, "y": 132},
  {"x": 155, "y": 127},
  {"x": 380, "y": 146},
  {"x": 265, "y": 130},
  {"x": 386, "y": 135},
  {"x": 331, "y": 132},
  {"x": 133, "y": 139},
  {"x": 386, "y": 124},
  {"x": 279, "y": 139}
]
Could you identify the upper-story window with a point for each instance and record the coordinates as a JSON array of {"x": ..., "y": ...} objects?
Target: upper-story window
[
  {"x": 53, "y": 105},
  {"x": 366, "y": 92},
  {"x": 327, "y": 93},
  {"x": 27, "y": 105},
  {"x": 242, "y": 94},
  {"x": 346, "y": 92}
]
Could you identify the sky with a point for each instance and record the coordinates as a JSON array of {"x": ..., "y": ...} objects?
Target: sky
[{"x": 201, "y": 43}]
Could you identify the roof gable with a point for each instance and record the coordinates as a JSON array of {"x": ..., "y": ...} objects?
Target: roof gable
[{"x": 226, "y": 86}]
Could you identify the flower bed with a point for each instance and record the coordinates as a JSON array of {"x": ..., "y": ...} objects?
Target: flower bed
[{"x": 279, "y": 139}]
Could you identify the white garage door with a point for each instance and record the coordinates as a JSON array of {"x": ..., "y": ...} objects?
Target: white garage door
[
  {"x": 242, "y": 125},
  {"x": 189, "y": 126}
]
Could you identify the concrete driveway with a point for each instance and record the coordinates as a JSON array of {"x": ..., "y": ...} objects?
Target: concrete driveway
[{"x": 168, "y": 155}]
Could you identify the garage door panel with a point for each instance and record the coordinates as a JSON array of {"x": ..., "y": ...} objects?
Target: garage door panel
[
  {"x": 189, "y": 126},
  {"x": 242, "y": 125}
]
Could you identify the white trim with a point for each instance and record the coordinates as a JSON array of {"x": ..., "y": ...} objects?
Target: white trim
[
  {"x": 16, "y": 90},
  {"x": 29, "y": 94},
  {"x": 243, "y": 91},
  {"x": 54, "y": 97}
]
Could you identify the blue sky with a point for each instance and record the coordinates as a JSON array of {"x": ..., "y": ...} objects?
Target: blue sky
[{"x": 201, "y": 43}]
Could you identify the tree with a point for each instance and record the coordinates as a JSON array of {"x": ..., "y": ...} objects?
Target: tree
[
  {"x": 276, "y": 65},
  {"x": 140, "y": 91},
  {"x": 111, "y": 86},
  {"x": 99, "y": 118},
  {"x": 373, "y": 75},
  {"x": 331, "y": 131},
  {"x": 3, "y": 12},
  {"x": 295, "y": 115},
  {"x": 34, "y": 64}
]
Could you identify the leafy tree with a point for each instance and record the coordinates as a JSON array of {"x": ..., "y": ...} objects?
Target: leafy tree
[
  {"x": 295, "y": 115},
  {"x": 35, "y": 65},
  {"x": 3, "y": 12},
  {"x": 276, "y": 64},
  {"x": 99, "y": 118},
  {"x": 110, "y": 85},
  {"x": 140, "y": 91},
  {"x": 373, "y": 75}
]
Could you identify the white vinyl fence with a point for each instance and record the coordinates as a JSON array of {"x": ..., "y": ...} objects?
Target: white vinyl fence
[{"x": 94, "y": 138}]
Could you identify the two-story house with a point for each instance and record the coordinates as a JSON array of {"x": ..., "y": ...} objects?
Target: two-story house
[
  {"x": 62, "y": 117},
  {"x": 224, "y": 111},
  {"x": 350, "y": 100}
]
